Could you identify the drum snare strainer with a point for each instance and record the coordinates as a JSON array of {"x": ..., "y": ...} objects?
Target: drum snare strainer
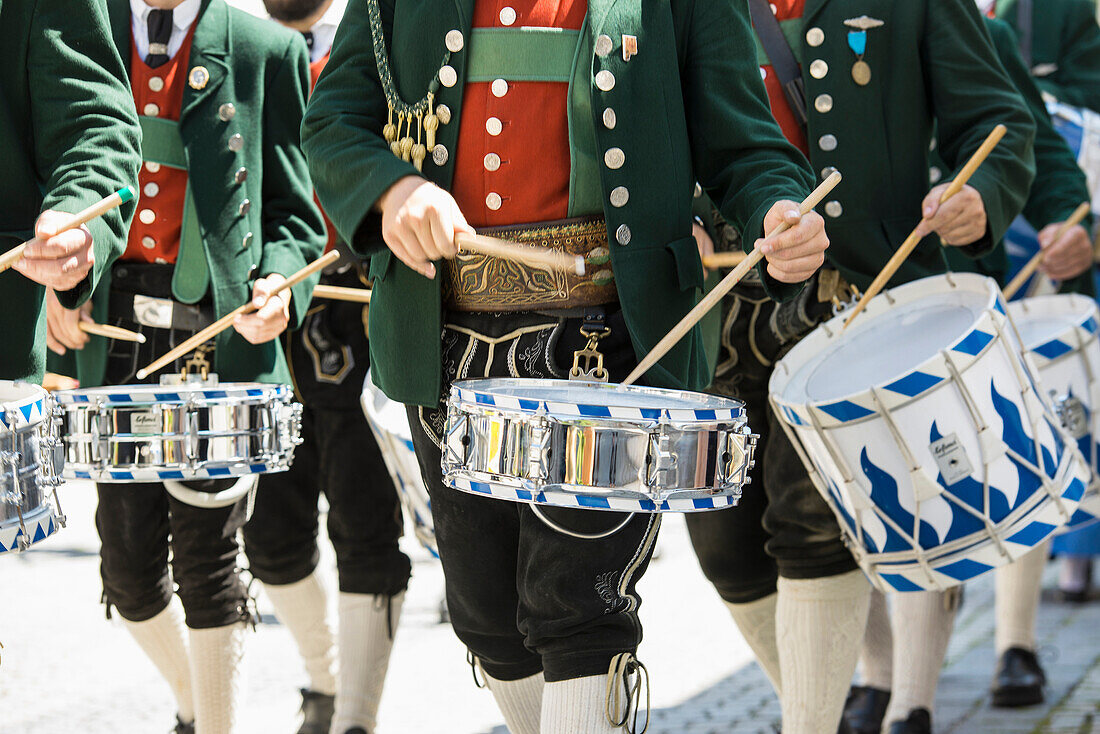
[
  {"x": 180, "y": 430},
  {"x": 30, "y": 466},
  {"x": 924, "y": 428},
  {"x": 596, "y": 446}
]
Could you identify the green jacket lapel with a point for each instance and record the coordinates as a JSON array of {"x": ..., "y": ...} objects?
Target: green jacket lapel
[{"x": 210, "y": 50}]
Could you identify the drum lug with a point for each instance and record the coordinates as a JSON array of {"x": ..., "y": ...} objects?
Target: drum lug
[
  {"x": 659, "y": 458},
  {"x": 456, "y": 440},
  {"x": 538, "y": 448}
]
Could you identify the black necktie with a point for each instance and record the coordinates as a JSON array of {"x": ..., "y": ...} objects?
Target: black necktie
[
  {"x": 160, "y": 32},
  {"x": 308, "y": 35}
]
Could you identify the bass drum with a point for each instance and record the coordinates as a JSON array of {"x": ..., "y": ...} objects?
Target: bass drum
[{"x": 390, "y": 425}]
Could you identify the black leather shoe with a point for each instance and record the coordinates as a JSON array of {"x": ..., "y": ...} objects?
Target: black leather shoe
[
  {"x": 919, "y": 722},
  {"x": 182, "y": 728},
  {"x": 865, "y": 709},
  {"x": 1019, "y": 679},
  {"x": 317, "y": 711},
  {"x": 357, "y": 730}
]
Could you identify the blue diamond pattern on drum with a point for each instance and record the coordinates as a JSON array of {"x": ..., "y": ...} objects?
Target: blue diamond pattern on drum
[
  {"x": 845, "y": 410},
  {"x": 26, "y": 411},
  {"x": 594, "y": 411},
  {"x": 39, "y": 534},
  {"x": 1075, "y": 491},
  {"x": 973, "y": 343},
  {"x": 900, "y": 583},
  {"x": 914, "y": 383},
  {"x": 652, "y": 414},
  {"x": 964, "y": 569},
  {"x": 167, "y": 397},
  {"x": 705, "y": 415},
  {"x": 585, "y": 501},
  {"x": 481, "y": 487},
  {"x": 168, "y": 474},
  {"x": 528, "y": 404},
  {"x": 1090, "y": 325},
  {"x": 1053, "y": 349},
  {"x": 1032, "y": 534}
]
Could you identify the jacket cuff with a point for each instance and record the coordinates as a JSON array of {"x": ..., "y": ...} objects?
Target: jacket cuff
[
  {"x": 775, "y": 289},
  {"x": 364, "y": 236}
]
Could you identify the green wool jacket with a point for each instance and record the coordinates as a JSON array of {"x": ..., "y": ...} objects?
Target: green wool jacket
[
  {"x": 1060, "y": 184},
  {"x": 68, "y": 138},
  {"x": 931, "y": 61},
  {"x": 262, "y": 70},
  {"x": 689, "y": 106},
  {"x": 1065, "y": 56}
]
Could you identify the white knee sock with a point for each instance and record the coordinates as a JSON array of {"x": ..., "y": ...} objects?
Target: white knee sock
[
  {"x": 923, "y": 621},
  {"x": 520, "y": 701},
  {"x": 819, "y": 626},
  {"x": 216, "y": 677},
  {"x": 877, "y": 658},
  {"x": 756, "y": 622},
  {"x": 164, "y": 640},
  {"x": 577, "y": 706},
  {"x": 366, "y": 628},
  {"x": 1018, "y": 586},
  {"x": 303, "y": 608}
]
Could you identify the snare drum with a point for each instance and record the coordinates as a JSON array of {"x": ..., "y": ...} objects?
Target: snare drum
[
  {"x": 923, "y": 427},
  {"x": 596, "y": 446},
  {"x": 186, "y": 431},
  {"x": 1060, "y": 334},
  {"x": 30, "y": 466},
  {"x": 389, "y": 423}
]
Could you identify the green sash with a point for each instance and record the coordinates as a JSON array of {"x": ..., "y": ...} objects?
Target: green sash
[
  {"x": 548, "y": 55},
  {"x": 161, "y": 144}
]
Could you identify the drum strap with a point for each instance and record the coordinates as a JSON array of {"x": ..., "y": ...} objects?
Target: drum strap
[
  {"x": 773, "y": 39},
  {"x": 588, "y": 362}
]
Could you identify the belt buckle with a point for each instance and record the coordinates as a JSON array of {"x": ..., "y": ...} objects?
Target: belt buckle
[{"x": 153, "y": 312}]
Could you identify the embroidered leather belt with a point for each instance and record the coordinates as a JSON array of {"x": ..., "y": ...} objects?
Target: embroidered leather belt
[{"x": 482, "y": 283}]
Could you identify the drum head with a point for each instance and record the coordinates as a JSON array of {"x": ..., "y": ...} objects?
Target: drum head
[
  {"x": 1044, "y": 318},
  {"x": 885, "y": 342},
  {"x": 21, "y": 404}
]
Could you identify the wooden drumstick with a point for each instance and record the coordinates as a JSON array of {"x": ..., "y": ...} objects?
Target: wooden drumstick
[
  {"x": 226, "y": 321},
  {"x": 538, "y": 257},
  {"x": 340, "y": 293},
  {"x": 717, "y": 260},
  {"x": 710, "y": 300},
  {"x": 111, "y": 332},
  {"x": 1033, "y": 264},
  {"x": 914, "y": 237},
  {"x": 120, "y": 197}
]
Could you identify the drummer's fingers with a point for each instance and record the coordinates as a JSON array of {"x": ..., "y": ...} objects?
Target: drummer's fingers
[
  {"x": 61, "y": 273},
  {"x": 797, "y": 270},
  {"x": 810, "y": 231},
  {"x": 397, "y": 244}
]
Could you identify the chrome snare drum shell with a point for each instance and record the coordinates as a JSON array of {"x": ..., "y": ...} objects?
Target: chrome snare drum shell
[
  {"x": 596, "y": 446},
  {"x": 30, "y": 466},
  {"x": 141, "y": 433}
]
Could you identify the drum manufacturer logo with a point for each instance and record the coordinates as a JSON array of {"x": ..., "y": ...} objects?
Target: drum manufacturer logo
[
  {"x": 145, "y": 422},
  {"x": 951, "y": 459}
]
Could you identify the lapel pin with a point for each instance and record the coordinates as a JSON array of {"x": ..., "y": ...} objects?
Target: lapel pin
[
  {"x": 198, "y": 77},
  {"x": 630, "y": 46}
]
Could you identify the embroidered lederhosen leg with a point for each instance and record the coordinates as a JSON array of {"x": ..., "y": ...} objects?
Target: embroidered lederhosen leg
[{"x": 523, "y": 597}]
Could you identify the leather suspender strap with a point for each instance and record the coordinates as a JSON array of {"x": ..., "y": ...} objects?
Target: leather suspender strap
[
  {"x": 782, "y": 58},
  {"x": 1024, "y": 17}
]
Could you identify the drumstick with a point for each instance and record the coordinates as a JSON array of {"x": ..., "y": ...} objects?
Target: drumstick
[
  {"x": 120, "y": 197},
  {"x": 111, "y": 332},
  {"x": 538, "y": 257},
  {"x": 1033, "y": 264},
  {"x": 914, "y": 238},
  {"x": 717, "y": 260},
  {"x": 226, "y": 321},
  {"x": 710, "y": 300},
  {"x": 339, "y": 293}
]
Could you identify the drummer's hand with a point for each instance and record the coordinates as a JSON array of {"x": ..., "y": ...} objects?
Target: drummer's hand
[
  {"x": 703, "y": 242},
  {"x": 1069, "y": 256},
  {"x": 273, "y": 315},
  {"x": 796, "y": 254},
  {"x": 57, "y": 261},
  {"x": 62, "y": 324},
  {"x": 959, "y": 221},
  {"x": 419, "y": 221}
]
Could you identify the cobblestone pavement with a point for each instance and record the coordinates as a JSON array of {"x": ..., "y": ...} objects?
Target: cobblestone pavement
[{"x": 64, "y": 668}]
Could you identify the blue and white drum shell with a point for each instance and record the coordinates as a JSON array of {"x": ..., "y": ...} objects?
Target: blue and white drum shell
[
  {"x": 596, "y": 446},
  {"x": 923, "y": 426},
  {"x": 390, "y": 424},
  {"x": 1060, "y": 334},
  {"x": 30, "y": 466},
  {"x": 150, "y": 433}
]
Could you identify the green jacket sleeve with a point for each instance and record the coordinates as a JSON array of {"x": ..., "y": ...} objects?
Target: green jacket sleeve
[
  {"x": 87, "y": 141},
  {"x": 1076, "y": 81},
  {"x": 347, "y": 112},
  {"x": 294, "y": 233},
  {"x": 740, "y": 156},
  {"x": 1060, "y": 184},
  {"x": 970, "y": 94}
]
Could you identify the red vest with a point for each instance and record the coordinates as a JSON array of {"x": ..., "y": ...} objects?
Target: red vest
[{"x": 155, "y": 233}]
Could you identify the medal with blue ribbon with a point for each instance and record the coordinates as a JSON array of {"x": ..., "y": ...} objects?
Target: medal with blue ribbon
[{"x": 857, "y": 41}]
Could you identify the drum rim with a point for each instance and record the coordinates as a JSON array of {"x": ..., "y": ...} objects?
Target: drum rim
[
  {"x": 463, "y": 392},
  {"x": 797, "y": 413},
  {"x": 121, "y": 395},
  {"x": 29, "y": 410}
]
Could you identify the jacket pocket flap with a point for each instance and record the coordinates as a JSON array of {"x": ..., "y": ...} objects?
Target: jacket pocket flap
[{"x": 689, "y": 268}]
